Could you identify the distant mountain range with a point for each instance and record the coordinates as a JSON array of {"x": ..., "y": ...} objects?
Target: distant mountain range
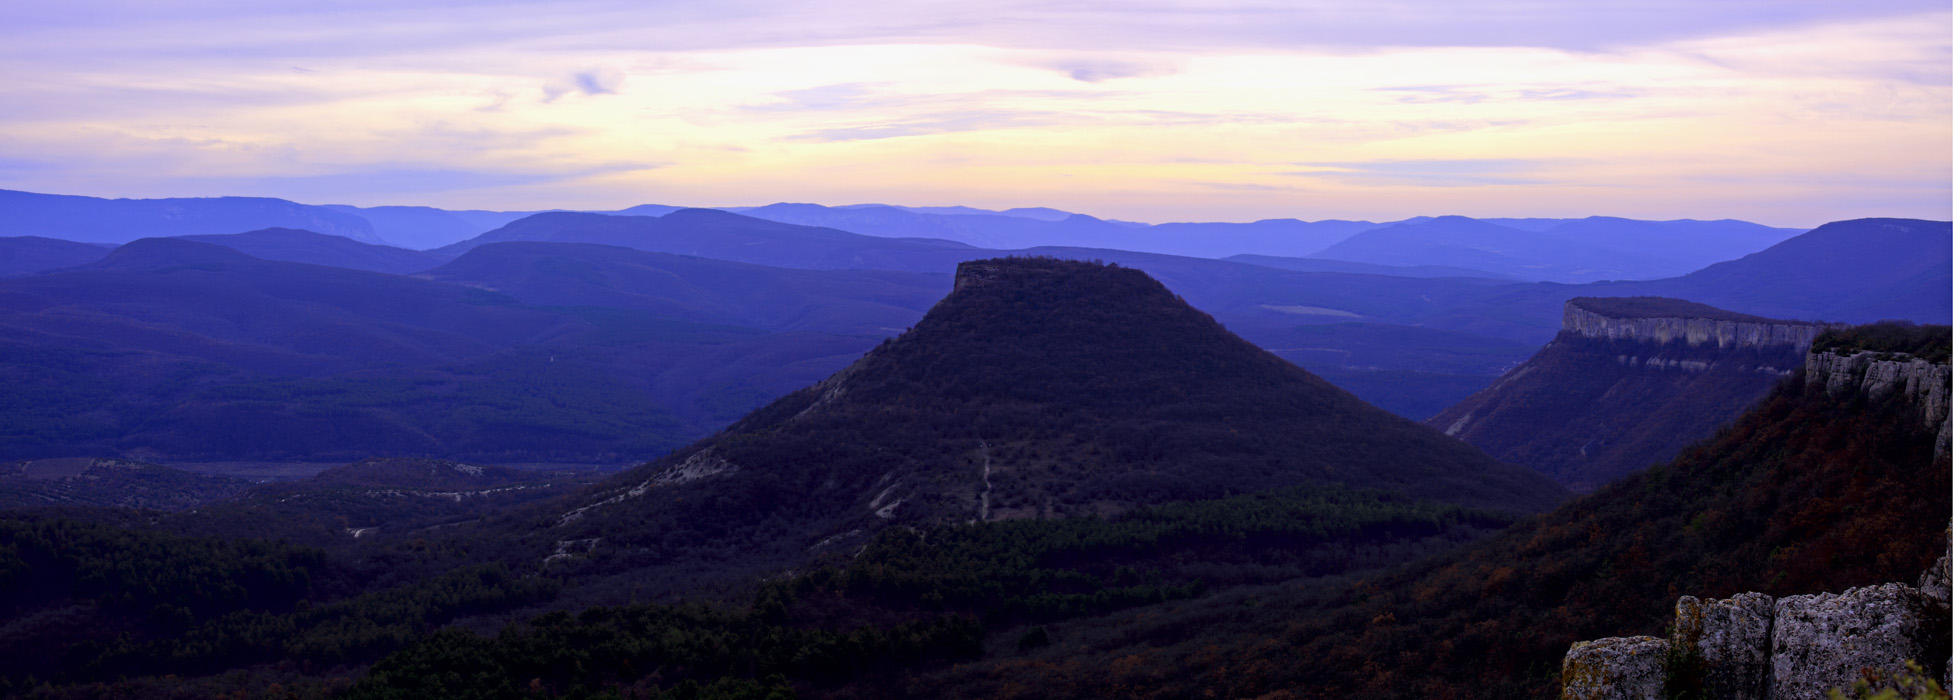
[
  {"x": 96, "y": 220},
  {"x": 193, "y": 350},
  {"x": 1563, "y": 250},
  {"x": 162, "y": 338}
]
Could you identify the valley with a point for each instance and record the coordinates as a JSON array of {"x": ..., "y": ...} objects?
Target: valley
[{"x": 876, "y": 451}]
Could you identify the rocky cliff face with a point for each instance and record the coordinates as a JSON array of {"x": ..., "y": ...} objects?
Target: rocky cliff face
[
  {"x": 1924, "y": 385},
  {"x": 1583, "y": 318}
]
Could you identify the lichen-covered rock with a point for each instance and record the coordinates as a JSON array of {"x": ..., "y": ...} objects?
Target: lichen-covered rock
[
  {"x": 1615, "y": 668},
  {"x": 1937, "y": 582},
  {"x": 1823, "y": 641},
  {"x": 1729, "y": 641}
]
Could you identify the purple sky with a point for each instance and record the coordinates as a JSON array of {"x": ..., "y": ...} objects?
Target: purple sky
[{"x": 1785, "y": 112}]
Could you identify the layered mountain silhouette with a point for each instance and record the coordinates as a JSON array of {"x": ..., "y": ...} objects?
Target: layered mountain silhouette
[
  {"x": 1030, "y": 228},
  {"x": 1038, "y": 388},
  {"x": 1581, "y": 250},
  {"x": 97, "y": 220},
  {"x": 423, "y": 228},
  {"x": 178, "y": 349},
  {"x": 1628, "y": 382},
  {"x": 186, "y": 349}
]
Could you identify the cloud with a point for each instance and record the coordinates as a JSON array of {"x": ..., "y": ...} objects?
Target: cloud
[
  {"x": 589, "y": 82},
  {"x": 836, "y": 97},
  {"x": 1475, "y": 94},
  {"x": 1464, "y": 172},
  {"x": 931, "y": 124},
  {"x": 1100, "y": 69},
  {"x": 103, "y": 31},
  {"x": 599, "y": 82}
]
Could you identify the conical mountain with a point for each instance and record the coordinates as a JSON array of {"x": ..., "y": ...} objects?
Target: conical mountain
[{"x": 1037, "y": 388}]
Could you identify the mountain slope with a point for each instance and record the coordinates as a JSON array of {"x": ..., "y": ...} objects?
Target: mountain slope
[
  {"x": 1684, "y": 245},
  {"x": 171, "y": 347},
  {"x": 1627, "y": 383},
  {"x": 108, "y": 482},
  {"x": 864, "y": 302},
  {"x": 1860, "y": 270},
  {"x": 1038, "y": 388},
  {"x": 292, "y": 245},
  {"x": 26, "y": 255},
  {"x": 96, "y": 220},
  {"x": 422, "y": 228},
  {"x": 1811, "y": 490}
]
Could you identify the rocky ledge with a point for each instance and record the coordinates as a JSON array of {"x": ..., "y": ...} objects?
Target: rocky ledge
[
  {"x": 1876, "y": 375},
  {"x": 1661, "y": 320},
  {"x": 1753, "y": 647}
]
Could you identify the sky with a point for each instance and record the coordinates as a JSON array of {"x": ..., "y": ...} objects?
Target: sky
[{"x": 1784, "y": 112}]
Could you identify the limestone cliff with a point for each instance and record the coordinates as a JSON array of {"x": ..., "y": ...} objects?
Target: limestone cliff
[{"x": 1660, "y": 321}]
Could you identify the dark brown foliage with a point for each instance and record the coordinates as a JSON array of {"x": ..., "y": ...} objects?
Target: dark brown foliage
[
  {"x": 1586, "y": 411},
  {"x": 1806, "y": 493}
]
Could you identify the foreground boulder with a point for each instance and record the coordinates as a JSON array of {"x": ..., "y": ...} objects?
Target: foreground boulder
[
  {"x": 1726, "y": 642},
  {"x": 1749, "y": 647},
  {"x": 1827, "y": 641},
  {"x": 1615, "y": 668}
]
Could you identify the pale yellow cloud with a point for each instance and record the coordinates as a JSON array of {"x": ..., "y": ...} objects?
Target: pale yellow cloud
[{"x": 1790, "y": 127}]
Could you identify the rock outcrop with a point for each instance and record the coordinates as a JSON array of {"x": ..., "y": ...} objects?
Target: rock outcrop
[
  {"x": 1826, "y": 641},
  {"x": 1925, "y": 385},
  {"x": 1750, "y": 647},
  {"x": 1615, "y": 668},
  {"x": 1729, "y": 640}
]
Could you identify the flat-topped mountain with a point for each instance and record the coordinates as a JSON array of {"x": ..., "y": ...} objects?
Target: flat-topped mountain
[
  {"x": 1037, "y": 388},
  {"x": 1663, "y": 320},
  {"x": 1627, "y": 383}
]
